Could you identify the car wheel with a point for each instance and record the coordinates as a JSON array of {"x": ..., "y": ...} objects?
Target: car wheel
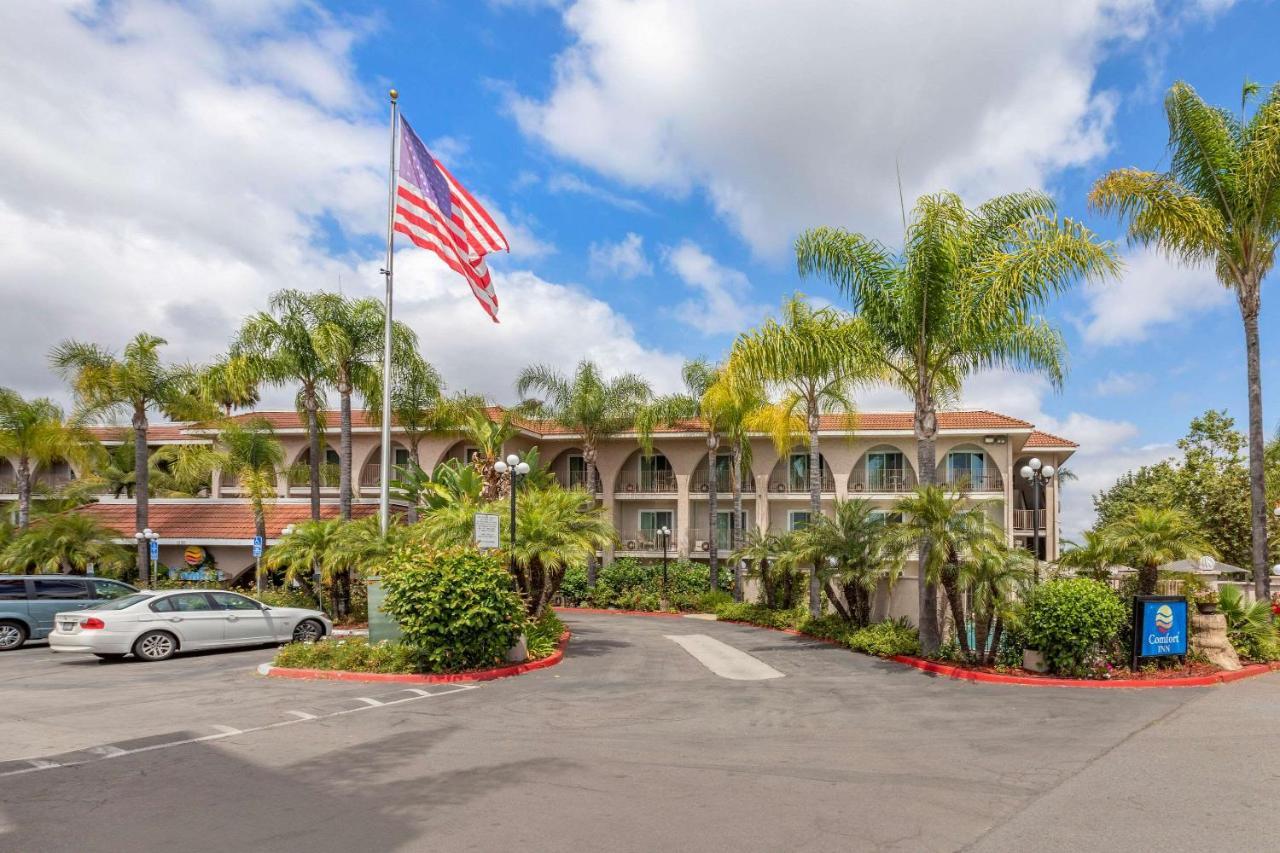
[
  {"x": 108, "y": 656},
  {"x": 12, "y": 636},
  {"x": 155, "y": 645},
  {"x": 308, "y": 631}
]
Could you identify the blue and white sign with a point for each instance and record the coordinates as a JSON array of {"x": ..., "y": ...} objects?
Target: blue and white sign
[
  {"x": 1163, "y": 626},
  {"x": 257, "y": 546},
  {"x": 155, "y": 549}
]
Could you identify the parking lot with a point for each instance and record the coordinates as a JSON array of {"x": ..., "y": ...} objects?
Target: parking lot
[{"x": 652, "y": 734}]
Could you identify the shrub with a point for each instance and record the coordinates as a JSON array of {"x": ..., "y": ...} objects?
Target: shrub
[
  {"x": 709, "y": 602},
  {"x": 543, "y": 635},
  {"x": 1071, "y": 621},
  {"x": 285, "y": 597},
  {"x": 574, "y": 587},
  {"x": 829, "y": 627},
  {"x": 457, "y": 607},
  {"x": 886, "y": 639},
  {"x": 1249, "y": 626},
  {"x": 351, "y": 654},
  {"x": 633, "y": 585},
  {"x": 758, "y": 614}
]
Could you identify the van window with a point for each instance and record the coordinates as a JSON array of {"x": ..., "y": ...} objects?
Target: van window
[
  {"x": 13, "y": 589},
  {"x": 108, "y": 590},
  {"x": 59, "y": 588}
]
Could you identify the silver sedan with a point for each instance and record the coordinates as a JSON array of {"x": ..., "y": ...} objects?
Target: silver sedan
[{"x": 154, "y": 626}]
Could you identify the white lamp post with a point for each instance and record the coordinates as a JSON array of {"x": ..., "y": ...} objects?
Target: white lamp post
[
  {"x": 664, "y": 533},
  {"x": 144, "y": 538},
  {"x": 513, "y": 466},
  {"x": 1038, "y": 475}
]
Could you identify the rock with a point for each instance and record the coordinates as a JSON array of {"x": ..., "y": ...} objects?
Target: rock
[
  {"x": 1209, "y": 637},
  {"x": 520, "y": 651}
]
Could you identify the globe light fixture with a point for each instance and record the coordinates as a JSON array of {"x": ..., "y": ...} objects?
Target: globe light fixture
[{"x": 1038, "y": 475}]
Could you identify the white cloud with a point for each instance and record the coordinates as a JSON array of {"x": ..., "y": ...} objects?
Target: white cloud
[
  {"x": 566, "y": 183},
  {"x": 791, "y": 124},
  {"x": 1120, "y": 383},
  {"x": 724, "y": 295},
  {"x": 624, "y": 259},
  {"x": 1153, "y": 293}
]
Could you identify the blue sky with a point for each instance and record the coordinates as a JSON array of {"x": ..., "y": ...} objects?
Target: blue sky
[{"x": 651, "y": 161}]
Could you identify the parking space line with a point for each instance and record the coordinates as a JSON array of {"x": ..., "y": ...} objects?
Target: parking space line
[
  {"x": 41, "y": 764},
  {"x": 302, "y": 715},
  {"x": 228, "y": 730},
  {"x": 107, "y": 751},
  {"x": 373, "y": 703}
]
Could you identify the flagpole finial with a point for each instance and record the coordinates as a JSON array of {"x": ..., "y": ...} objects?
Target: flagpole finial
[{"x": 394, "y": 95}]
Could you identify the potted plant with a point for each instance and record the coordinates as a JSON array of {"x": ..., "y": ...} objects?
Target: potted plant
[{"x": 1206, "y": 601}]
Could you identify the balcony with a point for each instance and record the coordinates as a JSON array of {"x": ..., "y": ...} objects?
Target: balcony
[
  {"x": 644, "y": 541},
  {"x": 887, "y": 480},
  {"x": 660, "y": 482},
  {"x": 987, "y": 481},
  {"x": 784, "y": 485},
  {"x": 1028, "y": 519},
  {"x": 700, "y": 542},
  {"x": 701, "y": 485}
]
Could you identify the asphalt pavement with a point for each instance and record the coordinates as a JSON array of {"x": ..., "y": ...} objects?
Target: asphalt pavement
[{"x": 653, "y": 734}]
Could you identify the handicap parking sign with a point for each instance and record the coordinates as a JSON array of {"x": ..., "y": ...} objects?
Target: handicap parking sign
[
  {"x": 257, "y": 546},
  {"x": 155, "y": 549}
]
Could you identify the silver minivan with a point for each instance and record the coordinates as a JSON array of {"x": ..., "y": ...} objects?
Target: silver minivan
[{"x": 28, "y": 602}]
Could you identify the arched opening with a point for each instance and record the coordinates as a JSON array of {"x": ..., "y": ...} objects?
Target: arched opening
[
  {"x": 969, "y": 468},
  {"x": 300, "y": 470},
  {"x": 371, "y": 473},
  {"x": 791, "y": 474},
  {"x": 882, "y": 469},
  {"x": 1030, "y": 510},
  {"x": 461, "y": 450},
  {"x": 8, "y": 477},
  {"x": 646, "y": 475},
  {"x": 56, "y": 474},
  {"x": 700, "y": 483},
  {"x": 570, "y": 468}
]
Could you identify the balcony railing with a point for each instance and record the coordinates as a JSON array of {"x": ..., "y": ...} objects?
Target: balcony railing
[
  {"x": 647, "y": 482},
  {"x": 883, "y": 480},
  {"x": 701, "y": 483},
  {"x": 699, "y": 541},
  {"x": 572, "y": 479},
  {"x": 644, "y": 540},
  {"x": 1028, "y": 519},
  {"x": 784, "y": 484},
  {"x": 989, "y": 481}
]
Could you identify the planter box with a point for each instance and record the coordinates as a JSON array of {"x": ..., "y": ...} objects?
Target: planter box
[{"x": 1033, "y": 661}]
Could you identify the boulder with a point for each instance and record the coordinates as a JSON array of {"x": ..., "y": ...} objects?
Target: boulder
[{"x": 1209, "y": 637}]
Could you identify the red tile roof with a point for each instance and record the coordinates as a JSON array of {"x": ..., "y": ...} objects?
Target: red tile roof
[
  {"x": 359, "y": 418},
  {"x": 156, "y": 433},
  {"x": 1048, "y": 439},
  {"x": 197, "y": 521}
]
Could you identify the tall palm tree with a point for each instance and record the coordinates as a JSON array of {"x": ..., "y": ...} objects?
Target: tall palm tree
[
  {"x": 138, "y": 382},
  {"x": 810, "y": 357},
  {"x": 1153, "y": 536},
  {"x": 1091, "y": 558},
  {"x": 957, "y": 533},
  {"x": 759, "y": 551},
  {"x": 994, "y": 577},
  {"x": 230, "y": 382},
  {"x": 35, "y": 432},
  {"x": 850, "y": 546},
  {"x": 419, "y": 406},
  {"x": 1218, "y": 202},
  {"x": 961, "y": 296},
  {"x": 305, "y": 551},
  {"x": 348, "y": 337},
  {"x": 283, "y": 347},
  {"x": 489, "y": 435},
  {"x": 739, "y": 409},
  {"x": 250, "y": 453},
  {"x": 68, "y": 542},
  {"x": 595, "y": 407}
]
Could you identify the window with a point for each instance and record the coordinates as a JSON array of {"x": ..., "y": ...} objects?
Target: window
[
  {"x": 724, "y": 535},
  {"x": 798, "y": 519},
  {"x": 577, "y": 471},
  {"x": 965, "y": 465},
  {"x": 231, "y": 601},
  {"x": 886, "y": 471},
  {"x": 798, "y": 472},
  {"x": 656, "y": 473},
  {"x": 107, "y": 590},
  {"x": 60, "y": 588},
  {"x": 469, "y": 454},
  {"x": 654, "y": 519},
  {"x": 13, "y": 589},
  {"x": 183, "y": 602},
  {"x": 886, "y": 516},
  {"x": 724, "y": 472},
  {"x": 123, "y": 603},
  {"x": 401, "y": 456}
]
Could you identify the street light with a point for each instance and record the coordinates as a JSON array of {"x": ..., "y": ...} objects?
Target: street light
[
  {"x": 1038, "y": 475},
  {"x": 515, "y": 468},
  {"x": 144, "y": 539},
  {"x": 664, "y": 533}
]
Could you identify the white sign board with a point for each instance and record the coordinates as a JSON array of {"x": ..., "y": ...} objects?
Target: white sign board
[{"x": 488, "y": 530}]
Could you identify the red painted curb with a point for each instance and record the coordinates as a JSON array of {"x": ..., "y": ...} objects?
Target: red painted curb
[
  {"x": 415, "y": 678},
  {"x": 609, "y": 611}
]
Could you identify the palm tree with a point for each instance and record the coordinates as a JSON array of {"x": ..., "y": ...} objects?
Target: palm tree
[
  {"x": 810, "y": 356},
  {"x": 304, "y": 551},
  {"x": 960, "y": 297},
  {"x": 35, "y": 432},
  {"x": 850, "y": 546},
  {"x": 282, "y": 345},
  {"x": 956, "y": 532},
  {"x": 138, "y": 382},
  {"x": 994, "y": 576},
  {"x": 1092, "y": 558},
  {"x": 489, "y": 436},
  {"x": 1153, "y": 536},
  {"x": 419, "y": 406},
  {"x": 247, "y": 452},
  {"x": 67, "y": 542},
  {"x": 595, "y": 407},
  {"x": 348, "y": 336},
  {"x": 739, "y": 410},
  {"x": 230, "y": 382},
  {"x": 1218, "y": 202}
]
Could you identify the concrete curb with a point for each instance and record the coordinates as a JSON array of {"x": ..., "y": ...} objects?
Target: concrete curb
[
  {"x": 609, "y": 611},
  {"x": 962, "y": 674},
  {"x": 415, "y": 678}
]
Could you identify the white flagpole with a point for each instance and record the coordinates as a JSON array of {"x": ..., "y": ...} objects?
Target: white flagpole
[{"x": 384, "y": 498}]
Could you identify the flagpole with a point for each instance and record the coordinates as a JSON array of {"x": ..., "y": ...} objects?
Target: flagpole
[{"x": 384, "y": 496}]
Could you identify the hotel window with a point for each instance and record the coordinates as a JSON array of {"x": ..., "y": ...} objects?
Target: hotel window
[
  {"x": 798, "y": 519},
  {"x": 885, "y": 471},
  {"x": 652, "y": 520},
  {"x": 798, "y": 472},
  {"x": 886, "y": 516},
  {"x": 577, "y": 471},
  {"x": 724, "y": 538},
  {"x": 965, "y": 465},
  {"x": 656, "y": 473}
]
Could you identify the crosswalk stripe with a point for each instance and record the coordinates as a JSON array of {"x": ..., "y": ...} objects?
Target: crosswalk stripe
[{"x": 723, "y": 659}]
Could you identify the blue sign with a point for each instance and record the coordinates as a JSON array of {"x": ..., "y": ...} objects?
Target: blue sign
[
  {"x": 257, "y": 546},
  {"x": 1162, "y": 621},
  {"x": 155, "y": 549}
]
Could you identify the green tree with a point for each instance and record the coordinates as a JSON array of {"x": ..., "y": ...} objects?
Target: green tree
[
  {"x": 305, "y": 551},
  {"x": 230, "y": 382},
  {"x": 810, "y": 357},
  {"x": 67, "y": 542},
  {"x": 1092, "y": 558},
  {"x": 995, "y": 578},
  {"x": 1153, "y": 536},
  {"x": 595, "y": 407},
  {"x": 739, "y": 409},
  {"x": 36, "y": 433},
  {"x": 961, "y": 296},
  {"x": 137, "y": 382},
  {"x": 489, "y": 435},
  {"x": 1218, "y": 202},
  {"x": 850, "y": 546}
]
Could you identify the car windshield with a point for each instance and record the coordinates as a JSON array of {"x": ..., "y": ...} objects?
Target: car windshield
[{"x": 122, "y": 603}]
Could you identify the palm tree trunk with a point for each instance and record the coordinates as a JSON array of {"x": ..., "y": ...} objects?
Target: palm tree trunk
[
  {"x": 736, "y": 533},
  {"x": 926, "y": 430},
  {"x": 24, "y": 493},
  {"x": 815, "y": 506},
  {"x": 593, "y": 475},
  {"x": 313, "y": 445},
  {"x": 344, "y": 454},
  {"x": 141, "y": 492},
  {"x": 1257, "y": 452},
  {"x": 952, "y": 590},
  {"x": 713, "y": 514},
  {"x": 1147, "y": 577},
  {"x": 994, "y": 648},
  {"x": 259, "y": 527}
]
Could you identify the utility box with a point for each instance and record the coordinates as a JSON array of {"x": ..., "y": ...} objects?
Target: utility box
[{"x": 381, "y": 626}]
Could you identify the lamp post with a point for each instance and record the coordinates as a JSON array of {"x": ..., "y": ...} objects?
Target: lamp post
[
  {"x": 1038, "y": 475},
  {"x": 515, "y": 468},
  {"x": 144, "y": 566},
  {"x": 664, "y": 533}
]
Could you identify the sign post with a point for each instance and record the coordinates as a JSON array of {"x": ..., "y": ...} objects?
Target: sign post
[
  {"x": 1159, "y": 627},
  {"x": 488, "y": 530},
  {"x": 155, "y": 550}
]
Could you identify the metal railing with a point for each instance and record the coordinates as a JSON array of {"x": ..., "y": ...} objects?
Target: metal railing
[
  {"x": 647, "y": 482},
  {"x": 883, "y": 480},
  {"x": 1028, "y": 519},
  {"x": 644, "y": 540},
  {"x": 701, "y": 483},
  {"x": 988, "y": 481},
  {"x": 784, "y": 484}
]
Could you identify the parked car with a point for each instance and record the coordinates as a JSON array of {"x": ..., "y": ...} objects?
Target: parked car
[
  {"x": 28, "y": 603},
  {"x": 153, "y": 626}
]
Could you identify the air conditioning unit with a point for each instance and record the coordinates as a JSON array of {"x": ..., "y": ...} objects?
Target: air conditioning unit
[
  {"x": 631, "y": 545},
  {"x": 857, "y": 487},
  {"x": 704, "y": 488},
  {"x": 703, "y": 545}
]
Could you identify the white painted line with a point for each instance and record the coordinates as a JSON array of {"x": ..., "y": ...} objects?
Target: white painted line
[
  {"x": 706, "y": 617},
  {"x": 417, "y": 690},
  {"x": 723, "y": 659},
  {"x": 373, "y": 703},
  {"x": 228, "y": 731},
  {"x": 107, "y": 751},
  {"x": 302, "y": 715},
  {"x": 41, "y": 764}
]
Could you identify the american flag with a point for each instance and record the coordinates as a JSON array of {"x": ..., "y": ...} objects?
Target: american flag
[{"x": 437, "y": 213}]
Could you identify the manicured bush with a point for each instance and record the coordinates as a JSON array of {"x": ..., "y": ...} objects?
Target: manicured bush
[
  {"x": 886, "y": 639},
  {"x": 829, "y": 627},
  {"x": 459, "y": 608},
  {"x": 1072, "y": 621},
  {"x": 349, "y": 654},
  {"x": 758, "y": 614},
  {"x": 285, "y": 597},
  {"x": 543, "y": 635},
  {"x": 630, "y": 584},
  {"x": 574, "y": 587}
]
